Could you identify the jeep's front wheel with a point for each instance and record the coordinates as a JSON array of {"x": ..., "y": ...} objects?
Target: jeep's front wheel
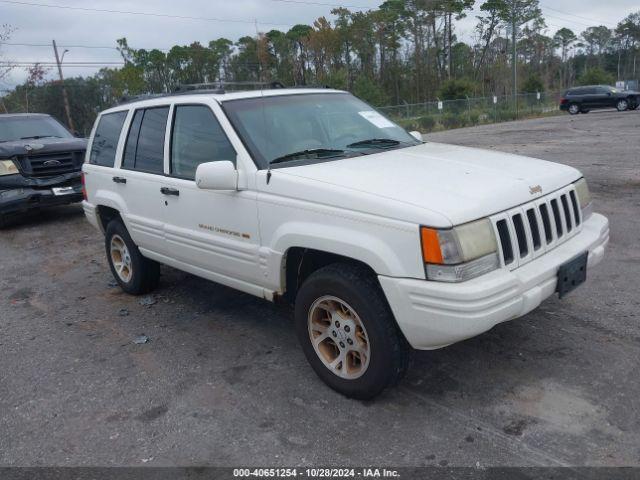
[
  {"x": 134, "y": 273},
  {"x": 348, "y": 332}
]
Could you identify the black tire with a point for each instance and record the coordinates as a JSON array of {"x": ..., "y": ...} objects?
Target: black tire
[
  {"x": 389, "y": 351},
  {"x": 622, "y": 105},
  {"x": 144, "y": 273},
  {"x": 574, "y": 109}
]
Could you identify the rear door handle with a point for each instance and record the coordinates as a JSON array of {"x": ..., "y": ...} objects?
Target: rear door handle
[
  {"x": 119, "y": 180},
  {"x": 170, "y": 191}
]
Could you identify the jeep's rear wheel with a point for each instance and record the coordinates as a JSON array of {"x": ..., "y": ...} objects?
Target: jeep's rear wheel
[
  {"x": 574, "y": 109},
  {"x": 134, "y": 273},
  {"x": 348, "y": 332}
]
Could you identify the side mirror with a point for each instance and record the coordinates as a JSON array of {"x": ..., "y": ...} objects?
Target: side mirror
[
  {"x": 217, "y": 176},
  {"x": 416, "y": 135}
]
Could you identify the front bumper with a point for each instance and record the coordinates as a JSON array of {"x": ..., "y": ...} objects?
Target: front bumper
[
  {"x": 433, "y": 315},
  {"x": 20, "y": 200}
]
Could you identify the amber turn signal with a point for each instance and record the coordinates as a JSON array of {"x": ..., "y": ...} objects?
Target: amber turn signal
[{"x": 431, "y": 252}]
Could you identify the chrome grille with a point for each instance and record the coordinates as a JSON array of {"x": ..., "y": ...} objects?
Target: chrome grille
[
  {"x": 529, "y": 231},
  {"x": 51, "y": 164}
]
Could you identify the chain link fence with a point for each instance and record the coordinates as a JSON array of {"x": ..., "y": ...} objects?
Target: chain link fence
[{"x": 448, "y": 114}]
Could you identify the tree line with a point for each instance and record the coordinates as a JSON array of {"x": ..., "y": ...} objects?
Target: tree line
[{"x": 405, "y": 51}]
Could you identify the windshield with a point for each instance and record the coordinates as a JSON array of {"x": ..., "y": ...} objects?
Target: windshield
[
  {"x": 18, "y": 128},
  {"x": 338, "y": 123}
]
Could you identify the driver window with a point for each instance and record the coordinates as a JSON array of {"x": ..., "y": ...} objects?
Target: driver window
[{"x": 197, "y": 138}]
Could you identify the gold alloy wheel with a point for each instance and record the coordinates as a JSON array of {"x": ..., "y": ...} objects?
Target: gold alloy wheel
[
  {"x": 338, "y": 337},
  {"x": 120, "y": 258}
]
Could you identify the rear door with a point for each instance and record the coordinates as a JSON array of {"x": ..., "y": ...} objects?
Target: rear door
[
  {"x": 101, "y": 159},
  {"x": 214, "y": 232},
  {"x": 141, "y": 176},
  {"x": 602, "y": 97}
]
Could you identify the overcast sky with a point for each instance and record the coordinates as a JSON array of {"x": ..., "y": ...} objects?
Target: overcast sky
[{"x": 222, "y": 18}]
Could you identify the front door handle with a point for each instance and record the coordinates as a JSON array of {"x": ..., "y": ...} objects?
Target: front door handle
[
  {"x": 170, "y": 191},
  {"x": 119, "y": 180}
]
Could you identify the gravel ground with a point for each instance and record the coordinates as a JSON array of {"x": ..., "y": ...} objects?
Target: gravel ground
[{"x": 223, "y": 382}]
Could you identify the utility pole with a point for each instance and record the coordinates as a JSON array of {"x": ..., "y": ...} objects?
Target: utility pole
[
  {"x": 514, "y": 39},
  {"x": 65, "y": 97}
]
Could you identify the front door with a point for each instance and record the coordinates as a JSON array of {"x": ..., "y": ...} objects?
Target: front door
[
  {"x": 213, "y": 232},
  {"x": 602, "y": 97}
]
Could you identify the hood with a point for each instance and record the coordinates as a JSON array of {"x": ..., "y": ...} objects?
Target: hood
[
  {"x": 458, "y": 183},
  {"x": 41, "y": 146}
]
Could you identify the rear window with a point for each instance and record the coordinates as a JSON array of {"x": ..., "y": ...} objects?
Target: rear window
[
  {"x": 144, "y": 150},
  {"x": 105, "y": 140}
]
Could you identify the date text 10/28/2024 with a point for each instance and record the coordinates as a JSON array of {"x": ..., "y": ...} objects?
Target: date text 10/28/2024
[{"x": 315, "y": 473}]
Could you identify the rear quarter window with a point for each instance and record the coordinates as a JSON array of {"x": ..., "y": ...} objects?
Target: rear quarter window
[{"x": 105, "y": 140}]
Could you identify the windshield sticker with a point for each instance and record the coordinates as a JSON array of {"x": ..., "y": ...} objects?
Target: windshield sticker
[{"x": 377, "y": 119}]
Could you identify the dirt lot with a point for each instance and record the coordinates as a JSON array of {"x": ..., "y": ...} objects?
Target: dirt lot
[{"x": 223, "y": 381}]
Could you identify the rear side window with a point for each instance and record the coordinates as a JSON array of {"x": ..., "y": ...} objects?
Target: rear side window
[
  {"x": 105, "y": 140},
  {"x": 197, "y": 138},
  {"x": 144, "y": 149}
]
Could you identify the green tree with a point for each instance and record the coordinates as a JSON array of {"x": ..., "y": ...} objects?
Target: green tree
[
  {"x": 532, "y": 84},
  {"x": 564, "y": 39},
  {"x": 369, "y": 91},
  {"x": 456, "y": 89},
  {"x": 596, "y": 76}
]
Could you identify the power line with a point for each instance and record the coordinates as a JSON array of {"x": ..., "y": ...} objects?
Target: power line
[
  {"x": 600, "y": 22},
  {"x": 300, "y": 2},
  {"x": 148, "y": 14},
  {"x": 47, "y": 45},
  {"x": 66, "y": 64},
  {"x": 568, "y": 20}
]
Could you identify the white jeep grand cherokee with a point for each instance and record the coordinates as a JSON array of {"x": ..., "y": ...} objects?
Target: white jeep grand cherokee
[{"x": 380, "y": 240}]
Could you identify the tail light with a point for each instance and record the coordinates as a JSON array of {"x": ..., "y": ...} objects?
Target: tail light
[
  {"x": 563, "y": 101},
  {"x": 84, "y": 187}
]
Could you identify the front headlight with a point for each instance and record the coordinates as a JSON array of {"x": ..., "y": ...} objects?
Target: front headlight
[
  {"x": 460, "y": 253},
  {"x": 7, "y": 167},
  {"x": 584, "y": 198}
]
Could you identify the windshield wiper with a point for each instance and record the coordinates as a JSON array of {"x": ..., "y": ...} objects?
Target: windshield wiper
[
  {"x": 318, "y": 152},
  {"x": 376, "y": 142},
  {"x": 37, "y": 137}
]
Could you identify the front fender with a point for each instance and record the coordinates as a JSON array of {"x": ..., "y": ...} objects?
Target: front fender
[
  {"x": 359, "y": 245},
  {"x": 393, "y": 251}
]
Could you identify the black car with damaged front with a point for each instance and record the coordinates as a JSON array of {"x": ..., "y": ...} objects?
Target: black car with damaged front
[{"x": 40, "y": 163}]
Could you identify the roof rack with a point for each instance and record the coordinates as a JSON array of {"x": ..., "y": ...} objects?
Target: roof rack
[
  {"x": 222, "y": 87},
  {"x": 217, "y": 88},
  {"x": 137, "y": 98}
]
